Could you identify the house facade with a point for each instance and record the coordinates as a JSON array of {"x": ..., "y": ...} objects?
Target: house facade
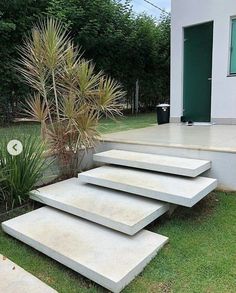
[{"x": 203, "y": 61}]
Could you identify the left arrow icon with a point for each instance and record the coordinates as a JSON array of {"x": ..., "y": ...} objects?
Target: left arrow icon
[{"x": 14, "y": 147}]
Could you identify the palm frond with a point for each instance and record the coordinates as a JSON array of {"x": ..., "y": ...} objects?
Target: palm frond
[
  {"x": 109, "y": 94},
  {"x": 88, "y": 80},
  {"x": 54, "y": 38},
  {"x": 69, "y": 108},
  {"x": 86, "y": 124},
  {"x": 36, "y": 108}
]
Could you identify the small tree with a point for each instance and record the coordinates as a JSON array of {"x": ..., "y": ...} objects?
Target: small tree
[{"x": 70, "y": 97}]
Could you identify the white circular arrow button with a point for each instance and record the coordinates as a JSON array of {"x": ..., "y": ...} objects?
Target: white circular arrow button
[{"x": 14, "y": 147}]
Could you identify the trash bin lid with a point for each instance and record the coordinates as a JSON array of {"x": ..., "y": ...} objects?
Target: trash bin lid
[{"x": 163, "y": 105}]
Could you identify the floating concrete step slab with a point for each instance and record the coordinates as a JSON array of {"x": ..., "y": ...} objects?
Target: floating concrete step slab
[
  {"x": 165, "y": 164},
  {"x": 114, "y": 209},
  {"x": 169, "y": 188},
  {"x": 14, "y": 279},
  {"x": 107, "y": 257}
]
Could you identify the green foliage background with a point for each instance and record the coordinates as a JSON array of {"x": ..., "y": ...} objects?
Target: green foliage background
[
  {"x": 16, "y": 19},
  {"x": 126, "y": 46}
]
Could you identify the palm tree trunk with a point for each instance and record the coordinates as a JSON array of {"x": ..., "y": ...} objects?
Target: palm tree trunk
[
  {"x": 55, "y": 95},
  {"x": 47, "y": 104}
]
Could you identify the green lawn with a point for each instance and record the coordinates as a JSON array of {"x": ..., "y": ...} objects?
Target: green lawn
[
  {"x": 200, "y": 258},
  {"x": 127, "y": 122},
  {"x": 106, "y": 125}
]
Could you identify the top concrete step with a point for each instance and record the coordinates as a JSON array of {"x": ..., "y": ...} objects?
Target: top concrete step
[
  {"x": 169, "y": 188},
  {"x": 114, "y": 209},
  {"x": 107, "y": 257},
  {"x": 159, "y": 163}
]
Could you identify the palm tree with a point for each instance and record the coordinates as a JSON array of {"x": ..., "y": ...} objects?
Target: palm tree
[{"x": 70, "y": 97}]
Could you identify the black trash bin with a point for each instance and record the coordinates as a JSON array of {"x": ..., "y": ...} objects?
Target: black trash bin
[{"x": 163, "y": 113}]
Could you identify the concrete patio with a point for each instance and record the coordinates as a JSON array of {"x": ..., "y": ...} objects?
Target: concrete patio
[{"x": 213, "y": 137}]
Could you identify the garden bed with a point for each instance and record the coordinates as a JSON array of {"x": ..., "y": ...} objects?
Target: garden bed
[
  {"x": 4, "y": 213},
  {"x": 27, "y": 207}
]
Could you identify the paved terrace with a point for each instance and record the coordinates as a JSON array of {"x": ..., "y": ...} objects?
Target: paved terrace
[{"x": 211, "y": 138}]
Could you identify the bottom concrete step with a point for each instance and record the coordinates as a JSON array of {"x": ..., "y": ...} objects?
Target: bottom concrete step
[
  {"x": 14, "y": 279},
  {"x": 109, "y": 258}
]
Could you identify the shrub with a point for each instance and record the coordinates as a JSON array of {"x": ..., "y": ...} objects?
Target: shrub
[
  {"x": 19, "y": 174},
  {"x": 70, "y": 96}
]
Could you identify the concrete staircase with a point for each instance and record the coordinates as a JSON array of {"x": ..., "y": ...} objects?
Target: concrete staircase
[{"x": 93, "y": 224}]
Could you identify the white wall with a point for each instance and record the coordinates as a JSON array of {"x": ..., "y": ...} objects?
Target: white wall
[{"x": 190, "y": 12}]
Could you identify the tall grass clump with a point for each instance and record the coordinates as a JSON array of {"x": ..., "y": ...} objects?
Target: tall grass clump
[{"x": 19, "y": 174}]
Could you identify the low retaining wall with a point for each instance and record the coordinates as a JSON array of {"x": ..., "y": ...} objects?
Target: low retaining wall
[{"x": 53, "y": 171}]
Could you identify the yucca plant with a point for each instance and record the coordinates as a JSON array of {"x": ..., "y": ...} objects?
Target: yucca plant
[
  {"x": 70, "y": 96},
  {"x": 19, "y": 174}
]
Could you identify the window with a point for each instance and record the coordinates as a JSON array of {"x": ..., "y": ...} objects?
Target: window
[{"x": 233, "y": 48}]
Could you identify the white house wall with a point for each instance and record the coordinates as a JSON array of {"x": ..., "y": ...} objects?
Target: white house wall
[{"x": 191, "y": 12}]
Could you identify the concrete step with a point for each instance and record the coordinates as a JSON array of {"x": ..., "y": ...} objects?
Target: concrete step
[
  {"x": 166, "y": 164},
  {"x": 169, "y": 188},
  {"x": 107, "y": 257},
  {"x": 114, "y": 209},
  {"x": 14, "y": 279}
]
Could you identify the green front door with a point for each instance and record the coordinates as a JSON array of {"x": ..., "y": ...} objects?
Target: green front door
[{"x": 198, "y": 41}]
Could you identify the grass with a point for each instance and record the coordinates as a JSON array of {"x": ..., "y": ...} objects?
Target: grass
[
  {"x": 127, "y": 122},
  {"x": 201, "y": 255},
  {"x": 106, "y": 125}
]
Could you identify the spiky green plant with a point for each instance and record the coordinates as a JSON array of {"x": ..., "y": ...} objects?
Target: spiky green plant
[
  {"x": 70, "y": 96},
  {"x": 19, "y": 174}
]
